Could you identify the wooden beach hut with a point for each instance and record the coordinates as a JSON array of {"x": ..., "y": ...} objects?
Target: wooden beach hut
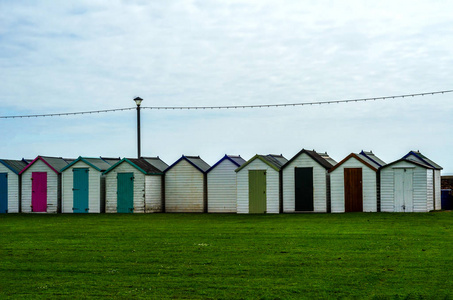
[
  {"x": 417, "y": 156},
  {"x": 133, "y": 185},
  {"x": 306, "y": 182},
  {"x": 10, "y": 184},
  {"x": 186, "y": 185},
  {"x": 354, "y": 183},
  {"x": 259, "y": 184},
  {"x": 407, "y": 186},
  {"x": 41, "y": 184},
  {"x": 83, "y": 185},
  {"x": 222, "y": 186}
]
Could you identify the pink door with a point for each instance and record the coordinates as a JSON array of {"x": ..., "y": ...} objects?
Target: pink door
[{"x": 39, "y": 192}]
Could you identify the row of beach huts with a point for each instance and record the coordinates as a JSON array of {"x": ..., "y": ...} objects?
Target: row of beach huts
[{"x": 308, "y": 182}]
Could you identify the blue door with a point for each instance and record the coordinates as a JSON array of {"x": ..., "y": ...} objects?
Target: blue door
[
  {"x": 3, "y": 193},
  {"x": 80, "y": 190}
]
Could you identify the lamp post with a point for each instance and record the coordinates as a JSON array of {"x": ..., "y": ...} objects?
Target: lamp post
[{"x": 138, "y": 101}]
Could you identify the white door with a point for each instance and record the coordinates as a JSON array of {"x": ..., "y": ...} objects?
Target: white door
[{"x": 403, "y": 190}]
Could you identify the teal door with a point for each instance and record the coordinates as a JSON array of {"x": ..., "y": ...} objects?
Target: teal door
[
  {"x": 125, "y": 192},
  {"x": 80, "y": 190},
  {"x": 3, "y": 192}
]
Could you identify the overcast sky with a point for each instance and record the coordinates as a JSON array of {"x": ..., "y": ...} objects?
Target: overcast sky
[{"x": 69, "y": 56}]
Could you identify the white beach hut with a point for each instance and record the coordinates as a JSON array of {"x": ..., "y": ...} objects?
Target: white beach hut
[
  {"x": 10, "y": 184},
  {"x": 259, "y": 184},
  {"x": 41, "y": 184},
  {"x": 306, "y": 182},
  {"x": 222, "y": 187},
  {"x": 354, "y": 183},
  {"x": 133, "y": 186},
  {"x": 186, "y": 185},
  {"x": 83, "y": 185}
]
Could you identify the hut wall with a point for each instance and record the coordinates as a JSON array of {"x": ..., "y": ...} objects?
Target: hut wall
[
  {"x": 111, "y": 188},
  {"x": 153, "y": 193},
  {"x": 429, "y": 205},
  {"x": 369, "y": 187},
  {"x": 437, "y": 190},
  {"x": 53, "y": 188},
  {"x": 184, "y": 188},
  {"x": 272, "y": 187},
  {"x": 319, "y": 184},
  {"x": 13, "y": 189},
  {"x": 94, "y": 188},
  {"x": 222, "y": 190}
]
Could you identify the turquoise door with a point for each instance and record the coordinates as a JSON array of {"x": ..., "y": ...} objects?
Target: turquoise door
[
  {"x": 3, "y": 193},
  {"x": 80, "y": 190},
  {"x": 125, "y": 192}
]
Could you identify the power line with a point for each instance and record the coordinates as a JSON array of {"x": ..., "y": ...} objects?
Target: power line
[{"x": 230, "y": 106}]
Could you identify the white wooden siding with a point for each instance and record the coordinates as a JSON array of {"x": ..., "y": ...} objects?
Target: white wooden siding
[
  {"x": 52, "y": 187},
  {"x": 153, "y": 193},
  {"x": 368, "y": 186},
  {"x": 13, "y": 189},
  {"x": 419, "y": 188},
  {"x": 319, "y": 184},
  {"x": 272, "y": 187},
  {"x": 429, "y": 205},
  {"x": 94, "y": 188},
  {"x": 111, "y": 188},
  {"x": 437, "y": 190},
  {"x": 222, "y": 189},
  {"x": 184, "y": 188}
]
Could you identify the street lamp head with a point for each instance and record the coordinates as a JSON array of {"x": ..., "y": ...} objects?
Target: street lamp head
[{"x": 138, "y": 101}]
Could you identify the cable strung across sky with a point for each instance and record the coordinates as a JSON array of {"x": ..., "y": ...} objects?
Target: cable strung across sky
[{"x": 229, "y": 106}]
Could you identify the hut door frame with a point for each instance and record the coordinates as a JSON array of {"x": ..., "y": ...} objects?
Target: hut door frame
[
  {"x": 353, "y": 190},
  {"x": 403, "y": 189},
  {"x": 80, "y": 190},
  {"x": 125, "y": 192},
  {"x": 3, "y": 192},
  {"x": 257, "y": 192},
  {"x": 39, "y": 192}
]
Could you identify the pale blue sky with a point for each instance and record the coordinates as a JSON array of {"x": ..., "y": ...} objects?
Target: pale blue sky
[{"x": 89, "y": 55}]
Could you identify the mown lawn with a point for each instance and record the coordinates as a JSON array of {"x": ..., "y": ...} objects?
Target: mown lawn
[{"x": 156, "y": 256}]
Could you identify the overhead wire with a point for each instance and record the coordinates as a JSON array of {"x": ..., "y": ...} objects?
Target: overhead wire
[{"x": 229, "y": 106}]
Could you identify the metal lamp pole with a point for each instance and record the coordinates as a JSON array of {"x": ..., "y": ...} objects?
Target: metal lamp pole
[{"x": 138, "y": 101}]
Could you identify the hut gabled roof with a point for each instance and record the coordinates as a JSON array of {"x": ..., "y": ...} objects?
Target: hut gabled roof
[
  {"x": 274, "y": 161},
  {"x": 416, "y": 155},
  {"x": 235, "y": 159},
  {"x": 412, "y": 161},
  {"x": 140, "y": 164},
  {"x": 360, "y": 158},
  {"x": 54, "y": 163},
  {"x": 156, "y": 162},
  {"x": 195, "y": 161},
  {"x": 321, "y": 158},
  {"x": 97, "y": 163},
  {"x": 372, "y": 157},
  {"x": 14, "y": 165}
]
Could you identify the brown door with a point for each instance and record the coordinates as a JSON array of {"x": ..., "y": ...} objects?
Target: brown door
[{"x": 353, "y": 190}]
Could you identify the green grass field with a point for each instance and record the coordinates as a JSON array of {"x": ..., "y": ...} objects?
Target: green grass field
[{"x": 375, "y": 255}]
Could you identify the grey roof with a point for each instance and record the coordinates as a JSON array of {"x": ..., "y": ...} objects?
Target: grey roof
[
  {"x": 144, "y": 165},
  {"x": 329, "y": 159},
  {"x": 98, "y": 163},
  {"x": 111, "y": 160},
  {"x": 417, "y": 156},
  {"x": 198, "y": 162},
  {"x": 57, "y": 163},
  {"x": 156, "y": 162},
  {"x": 15, "y": 165},
  {"x": 275, "y": 159},
  {"x": 373, "y": 157},
  {"x": 237, "y": 159},
  {"x": 369, "y": 161}
]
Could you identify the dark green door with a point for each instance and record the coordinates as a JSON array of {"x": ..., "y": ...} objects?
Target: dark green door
[
  {"x": 80, "y": 190},
  {"x": 303, "y": 181},
  {"x": 257, "y": 191},
  {"x": 125, "y": 193}
]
